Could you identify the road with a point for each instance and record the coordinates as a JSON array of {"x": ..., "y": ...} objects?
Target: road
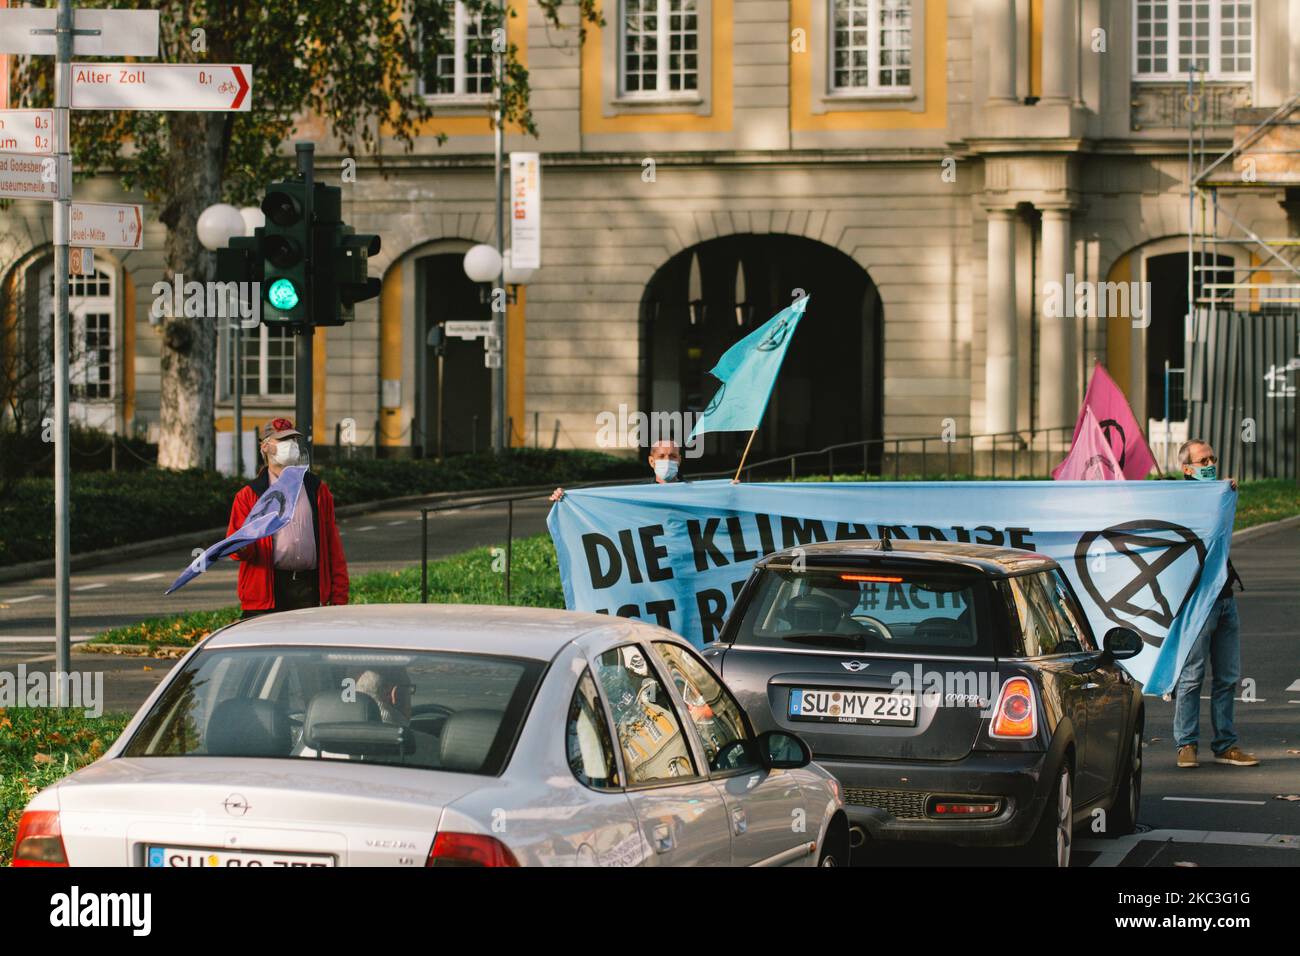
[
  {"x": 126, "y": 592},
  {"x": 1214, "y": 815}
]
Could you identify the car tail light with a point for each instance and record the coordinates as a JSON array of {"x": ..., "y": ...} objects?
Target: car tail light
[
  {"x": 40, "y": 840},
  {"x": 469, "y": 849},
  {"x": 965, "y": 807},
  {"x": 1016, "y": 715}
]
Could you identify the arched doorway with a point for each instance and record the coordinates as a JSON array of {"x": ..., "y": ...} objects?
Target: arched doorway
[
  {"x": 454, "y": 402},
  {"x": 707, "y": 297},
  {"x": 1167, "y": 333}
]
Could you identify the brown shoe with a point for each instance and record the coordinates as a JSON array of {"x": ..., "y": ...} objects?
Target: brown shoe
[
  {"x": 1187, "y": 757},
  {"x": 1237, "y": 757}
]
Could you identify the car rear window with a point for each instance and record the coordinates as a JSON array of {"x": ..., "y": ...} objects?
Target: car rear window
[
  {"x": 438, "y": 711},
  {"x": 846, "y": 609}
]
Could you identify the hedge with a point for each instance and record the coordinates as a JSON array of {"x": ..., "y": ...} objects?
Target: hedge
[{"x": 113, "y": 508}]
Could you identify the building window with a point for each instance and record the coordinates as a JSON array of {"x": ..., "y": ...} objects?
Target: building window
[
  {"x": 1214, "y": 38},
  {"x": 660, "y": 48},
  {"x": 465, "y": 70},
  {"x": 90, "y": 346},
  {"x": 267, "y": 353},
  {"x": 871, "y": 46}
]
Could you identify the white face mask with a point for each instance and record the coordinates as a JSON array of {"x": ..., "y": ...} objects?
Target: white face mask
[
  {"x": 286, "y": 452},
  {"x": 665, "y": 469}
]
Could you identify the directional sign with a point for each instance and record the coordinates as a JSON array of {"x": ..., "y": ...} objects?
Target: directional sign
[
  {"x": 119, "y": 32},
  {"x": 161, "y": 86},
  {"x": 468, "y": 330},
  {"x": 107, "y": 225},
  {"x": 26, "y": 131},
  {"x": 24, "y": 176}
]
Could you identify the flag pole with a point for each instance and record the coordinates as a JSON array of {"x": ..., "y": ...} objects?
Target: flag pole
[{"x": 748, "y": 444}]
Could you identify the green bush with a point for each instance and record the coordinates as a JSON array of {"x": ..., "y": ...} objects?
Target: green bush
[
  {"x": 37, "y": 748},
  {"x": 113, "y": 508}
]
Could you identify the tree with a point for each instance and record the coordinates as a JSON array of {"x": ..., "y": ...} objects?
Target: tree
[{"x": 352, "y": 64}]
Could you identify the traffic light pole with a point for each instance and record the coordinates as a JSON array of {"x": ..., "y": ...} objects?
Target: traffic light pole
[
  {"x": 62, "y": 227},
  {"x": 305, "y": 338}
]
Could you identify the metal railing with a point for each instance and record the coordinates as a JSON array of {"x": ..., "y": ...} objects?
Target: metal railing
[{"x": 1015, "y": 447}]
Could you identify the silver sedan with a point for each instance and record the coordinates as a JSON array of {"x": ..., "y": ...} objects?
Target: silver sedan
[{"x": 412, "y": 735}]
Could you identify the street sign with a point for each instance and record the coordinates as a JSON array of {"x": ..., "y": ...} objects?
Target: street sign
[
  {"x": 468, "y": 330},
  {"x": 81, "y": 262},
  {"x": 26, "y": 131},
  {"x": 119, "y": 32},
  {"x": 525, "y": 210},
  {"x": 24, "y": 176},
  {"x": 162, "y": 86},
  {"x": 107, "y": 225}
]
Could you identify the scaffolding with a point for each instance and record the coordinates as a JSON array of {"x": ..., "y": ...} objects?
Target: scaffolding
[{"x": 1243, "y": 322}]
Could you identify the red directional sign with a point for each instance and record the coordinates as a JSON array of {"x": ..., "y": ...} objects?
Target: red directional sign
[
  {"x": 107, "y": 225},
  {"x": 162, "y": 86}
]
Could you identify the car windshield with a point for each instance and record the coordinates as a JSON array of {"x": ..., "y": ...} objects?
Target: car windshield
[
  {"x": 439, "y": 711},
  {"x": 908, "y": 612}
]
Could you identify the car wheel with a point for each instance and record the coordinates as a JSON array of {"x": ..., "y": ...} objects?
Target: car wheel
[
  {"x": 1124, "y": 812},
  {"x": 1054, "y": 838},
  {"x": 835, "y": 850}
]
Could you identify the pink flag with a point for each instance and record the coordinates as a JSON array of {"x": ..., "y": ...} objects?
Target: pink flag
[
  {"x": 1115, "y": 418},
  {"x": 1091, "y": 457}
]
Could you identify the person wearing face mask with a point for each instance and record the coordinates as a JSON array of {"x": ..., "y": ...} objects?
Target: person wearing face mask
[
  {"x": 1219, "y": 644},
  {"x": 665, "y": 460},
  {"x": 302, "y": 564}
]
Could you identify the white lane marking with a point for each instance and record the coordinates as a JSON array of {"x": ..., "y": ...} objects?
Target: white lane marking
[
  {"x": 1249, "y": 803},
  {"x": 1253, "y": 700},
  {"x": 146, "y": 577},
  {"x": 30, "y": 597},
  {"x": 369, "y": 527},
  {"x": 1295, "y": 685},
  {"x": 394, "y": 523},
  {"x": 90, "y": 587},
  {"x": 42, "y": 638}
]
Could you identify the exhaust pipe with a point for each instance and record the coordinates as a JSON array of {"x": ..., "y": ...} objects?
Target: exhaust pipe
[{"x": 857, "y": 837}]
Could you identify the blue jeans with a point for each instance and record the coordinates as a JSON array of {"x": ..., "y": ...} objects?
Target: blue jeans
[{"x": 1220, "y": 643}]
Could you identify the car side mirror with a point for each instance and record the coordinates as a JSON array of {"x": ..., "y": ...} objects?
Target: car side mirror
[
  {"x": 780, "y": 750},
  {"x": 1122, "y": 643}
]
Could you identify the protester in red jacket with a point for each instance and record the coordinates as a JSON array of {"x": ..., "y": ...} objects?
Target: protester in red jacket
[{"x": 302, "y": 564}]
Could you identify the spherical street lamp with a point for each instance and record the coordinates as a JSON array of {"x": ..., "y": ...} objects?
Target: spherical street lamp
[
  {"x": 219, "y": 224},
  {"x": 516, "y": 276},
  {"x": 483, "y": 263},
  {"x": 253, "y": 217}
]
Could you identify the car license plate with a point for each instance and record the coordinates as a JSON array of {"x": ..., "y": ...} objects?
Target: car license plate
[
  {"x": 189, "y": 856},
  {"x": 852, "y": 706}
]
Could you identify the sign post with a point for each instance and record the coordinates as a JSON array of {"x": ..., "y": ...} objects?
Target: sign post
[{"x": 62, "y": 473}]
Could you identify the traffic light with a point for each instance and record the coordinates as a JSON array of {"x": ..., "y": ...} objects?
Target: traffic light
[
  {"x": 311, "y": 272},
  {"x": 283, "y": 243},
  {"x": 340, "y": 259}
]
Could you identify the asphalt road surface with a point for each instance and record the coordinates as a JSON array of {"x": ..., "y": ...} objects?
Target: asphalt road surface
[{"x": 1216, "y": 815}]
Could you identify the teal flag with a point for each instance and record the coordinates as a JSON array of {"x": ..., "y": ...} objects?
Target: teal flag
[{"x": 748, "y": 372}]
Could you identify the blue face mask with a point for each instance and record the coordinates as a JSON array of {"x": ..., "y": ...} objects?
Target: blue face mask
[
  {"x": 665, "y": 469},
  {"x": 1205, "y": 472}
]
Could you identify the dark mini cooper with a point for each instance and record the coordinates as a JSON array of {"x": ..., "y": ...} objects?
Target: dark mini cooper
[{"x": 956, "y": 690}]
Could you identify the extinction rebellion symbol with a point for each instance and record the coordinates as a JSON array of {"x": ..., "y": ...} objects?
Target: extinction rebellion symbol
[{"x": 1153, "y": 583}]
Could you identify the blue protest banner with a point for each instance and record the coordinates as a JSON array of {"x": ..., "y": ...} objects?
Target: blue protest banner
[
  {"x": 271, "y": 513},
  {"x": 1150, "y": 555}
]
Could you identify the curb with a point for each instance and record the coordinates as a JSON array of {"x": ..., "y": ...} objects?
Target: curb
[
  {"x": 44, "y": 568},
  {"x": 1259, "y": 530},
  {"x": 160, "y": 651}
]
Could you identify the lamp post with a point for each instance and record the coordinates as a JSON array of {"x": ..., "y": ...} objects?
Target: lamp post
[
  {"x": 216, "y": 226},
  {"x": 491, "y": 270}
]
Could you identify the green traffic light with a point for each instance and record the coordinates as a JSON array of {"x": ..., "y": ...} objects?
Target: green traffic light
[{"x": 282, "y": 295}]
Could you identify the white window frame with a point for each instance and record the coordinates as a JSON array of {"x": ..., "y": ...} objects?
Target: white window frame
[
  {"x": 875, "y": 9},
  {"x": 663, "y": 49},
  {"x": 257, "y": 338},
  {"x": 1213, "y": 74},
  {"x": 460, "y": 55},
  {"x": 78, "y": 306}
]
